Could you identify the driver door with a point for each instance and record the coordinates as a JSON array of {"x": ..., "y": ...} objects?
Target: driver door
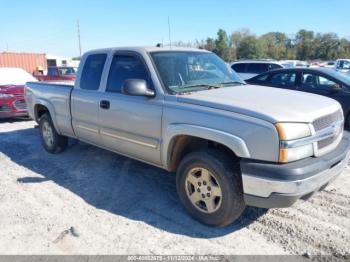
[{"x": 130, "y": 125}]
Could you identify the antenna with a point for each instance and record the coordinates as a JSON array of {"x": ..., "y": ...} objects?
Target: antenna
[
  {"x": 78, "y": 27},
  {"x": 169, "y": 31}
]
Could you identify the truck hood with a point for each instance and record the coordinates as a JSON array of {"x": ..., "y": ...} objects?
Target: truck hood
[
  {"x": 266, "y": 103},
  {"x": 11, "y": 89}
]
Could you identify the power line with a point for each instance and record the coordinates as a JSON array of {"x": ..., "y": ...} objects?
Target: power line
[
  {"x": 79, "y": 42},
  {"x": 169, "y": 31}
]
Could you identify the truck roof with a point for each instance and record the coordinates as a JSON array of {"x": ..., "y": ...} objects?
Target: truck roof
[{"x": 148, "y": 49}]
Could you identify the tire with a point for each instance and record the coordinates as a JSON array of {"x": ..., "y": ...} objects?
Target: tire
[
  {"x": 222, "y": 173},
  {"x": 51, "y": 140}
]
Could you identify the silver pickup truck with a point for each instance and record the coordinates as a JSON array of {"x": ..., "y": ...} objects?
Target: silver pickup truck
[{"x": 184, "y": 110}]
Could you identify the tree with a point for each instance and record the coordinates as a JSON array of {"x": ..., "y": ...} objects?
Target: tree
[
  {"x": 304, "y": 44},
  {"x": 250, "y": 47},
  {"x": 221, "y": 45},
  {"x": 344, "y": 50},
  {"x": 210, "y": 44},
  {"x": 275, "y": 44},
  {"x": 327, "y": 46}
]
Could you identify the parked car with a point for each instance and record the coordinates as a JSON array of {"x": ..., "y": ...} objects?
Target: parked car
[
  {"x": 343, "y": 65},
  {"x": 184, "y": 110},
  {"x": 293, "y": 63},
  {"x": 329, "y": 64},
  {"x": 248, "y": 69},
  {"x": 12, "y": 101},
  {"x": 55, "y": 73},
  {"x": 322, "y": 81}
]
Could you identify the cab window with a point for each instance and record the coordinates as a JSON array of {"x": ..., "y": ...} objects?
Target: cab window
[
  {"x": 92, "y": 71},
  {"x": 125, "y": 67},
  {"x": 52, "y": 71}
]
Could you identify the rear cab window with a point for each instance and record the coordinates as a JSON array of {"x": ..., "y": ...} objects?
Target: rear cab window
[
  {"x": 52, "y": 71},
  {"x": 92, "y": 71}
]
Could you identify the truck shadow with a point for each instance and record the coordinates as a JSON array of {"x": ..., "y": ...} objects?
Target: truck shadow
[
  {"x": 14, "y": 120},
  {"x": 112, "y": 183}
]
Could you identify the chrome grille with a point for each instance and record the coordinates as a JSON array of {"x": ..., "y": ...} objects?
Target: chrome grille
[
  {"x": 328, "y": 120},
  {"x": 20, "y": 104},
  {"x": 326, "y": 142}
]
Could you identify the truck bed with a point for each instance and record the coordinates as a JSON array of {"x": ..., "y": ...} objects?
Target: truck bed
[{"x": 54, "y": 95}]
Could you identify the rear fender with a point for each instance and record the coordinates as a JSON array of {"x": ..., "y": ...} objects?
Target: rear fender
[{"x": 51, "y": 109}]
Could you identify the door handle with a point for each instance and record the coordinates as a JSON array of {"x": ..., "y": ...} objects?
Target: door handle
[{"x": 104, "y": 104}]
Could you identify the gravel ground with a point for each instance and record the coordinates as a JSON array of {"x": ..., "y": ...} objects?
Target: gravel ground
[{"x": 90, "y": 201}]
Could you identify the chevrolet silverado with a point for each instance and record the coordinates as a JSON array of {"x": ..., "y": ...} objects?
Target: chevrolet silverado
[{"x": 185, "y": 110}]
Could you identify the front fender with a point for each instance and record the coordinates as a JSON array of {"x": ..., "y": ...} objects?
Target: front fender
[{"x": 235, "y": 143}]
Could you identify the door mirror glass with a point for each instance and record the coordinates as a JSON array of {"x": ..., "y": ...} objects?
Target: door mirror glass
[{"x": 137, "y": 87}]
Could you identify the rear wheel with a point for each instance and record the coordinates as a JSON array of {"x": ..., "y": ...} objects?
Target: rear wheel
[
  {"x": 210, "y": 187},
  {"x": 51, "y": 140}
]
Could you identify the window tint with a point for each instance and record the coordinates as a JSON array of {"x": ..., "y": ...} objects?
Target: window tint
[
  {"x": 262, "y": 78},
  {"x": 283, "y": 79},
  {"x": 317, "y": 82},
  {"x": 257, "y": 68},
  {"x": 92, "y": 72},
  {"x": 344, "y": 64},
  {"x": 125, "y": 67},
  {"x": 52, "y": 71},
  {"x": 274, "y": 66},
  {"x": 239, "y": 68}
]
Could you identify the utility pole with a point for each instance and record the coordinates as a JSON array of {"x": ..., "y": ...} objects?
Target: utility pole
[
  {"x": 169, "y": 31},
  {"x": 79, "y": 42}
]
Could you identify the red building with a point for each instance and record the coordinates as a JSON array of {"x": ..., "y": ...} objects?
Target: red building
[{"x": 28, "y": 61}]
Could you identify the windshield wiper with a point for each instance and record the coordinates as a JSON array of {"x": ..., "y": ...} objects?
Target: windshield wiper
[
  {"x": 208, "y": 86},
  {"x": 232, "y": 82}
]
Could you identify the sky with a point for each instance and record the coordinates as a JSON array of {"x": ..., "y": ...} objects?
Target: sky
[{"x": 50, "y": 27}]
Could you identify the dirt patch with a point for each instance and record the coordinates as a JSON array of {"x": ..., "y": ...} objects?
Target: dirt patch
[{"x": 90, "y": 201}]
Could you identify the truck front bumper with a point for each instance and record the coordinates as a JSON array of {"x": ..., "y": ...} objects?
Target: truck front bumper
[{"x": 270, "y": 185}]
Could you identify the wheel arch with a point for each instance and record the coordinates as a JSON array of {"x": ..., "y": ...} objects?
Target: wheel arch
[
  {"x": 41, "y": 107},
  {"x": 181, "y": 139}
]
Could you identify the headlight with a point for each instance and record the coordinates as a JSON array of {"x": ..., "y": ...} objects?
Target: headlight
[
  {"x": 291, "y": 131},
  {"x": 6, "y": 96},
  {"x": 289, "y": 134}
]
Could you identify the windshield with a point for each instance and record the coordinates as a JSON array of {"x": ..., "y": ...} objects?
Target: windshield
[
  {"x": 67, "y": 71},
  {"x": 186, "y": 71}
]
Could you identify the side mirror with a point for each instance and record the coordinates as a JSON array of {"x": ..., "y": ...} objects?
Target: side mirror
[{"x": 137, "y": 87}]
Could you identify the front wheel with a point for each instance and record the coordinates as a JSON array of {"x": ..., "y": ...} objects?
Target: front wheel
[
  {"x": 210, "y": 187},
  {"x": 51, "y": 140}
]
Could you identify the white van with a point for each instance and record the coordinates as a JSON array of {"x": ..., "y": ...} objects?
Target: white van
[{"x": 250, "y": 68}]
